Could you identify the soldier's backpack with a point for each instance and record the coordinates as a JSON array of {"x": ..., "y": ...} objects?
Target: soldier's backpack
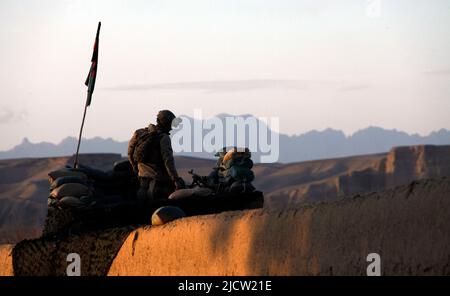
[{"x": 147, "y": 145}]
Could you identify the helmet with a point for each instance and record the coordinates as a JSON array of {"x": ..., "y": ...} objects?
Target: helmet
[{"x": 165, "y": 118}]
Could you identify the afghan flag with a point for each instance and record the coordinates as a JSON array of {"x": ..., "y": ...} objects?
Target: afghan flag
[{"x": 90, "y": 80}]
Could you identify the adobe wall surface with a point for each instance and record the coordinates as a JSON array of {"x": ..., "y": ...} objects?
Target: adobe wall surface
[
  {"x": 6, "y": 265},
  {"x": 409, "y": 227}
]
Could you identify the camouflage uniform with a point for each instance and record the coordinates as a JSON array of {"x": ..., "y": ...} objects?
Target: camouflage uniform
[{"x": 159, "y": 178}]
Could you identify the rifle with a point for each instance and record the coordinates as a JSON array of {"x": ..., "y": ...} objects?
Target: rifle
[{"x": 197, "y": 180}]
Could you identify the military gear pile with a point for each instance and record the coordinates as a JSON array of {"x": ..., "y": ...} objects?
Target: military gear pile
[
  {"x": 234, "y": 171},
  {"x": 67, "y": 187},
  {"x": 237, "y": 165},
  {"x": 232, "y": 175}
]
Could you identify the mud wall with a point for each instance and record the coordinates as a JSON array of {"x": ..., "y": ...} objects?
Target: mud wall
[
  {"x": 409, "y": 227},
  {"x": 6, "y": 266}
]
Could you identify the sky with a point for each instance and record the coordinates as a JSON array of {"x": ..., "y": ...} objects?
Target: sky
[{"x": 314, "y": 64}]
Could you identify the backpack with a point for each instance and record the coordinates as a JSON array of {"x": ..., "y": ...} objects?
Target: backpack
[{"x": 147, "y": 149}]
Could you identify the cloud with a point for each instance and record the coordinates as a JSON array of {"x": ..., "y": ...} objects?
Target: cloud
[
  {"x": 9, "y": 116},
  {"x": 440, "y": 72},
  {"x": 244, "y": 85},
  {"x": 6, "y": 116},
  {"x": 354, "y": 87},
  {"x": 217, "y": 86}
]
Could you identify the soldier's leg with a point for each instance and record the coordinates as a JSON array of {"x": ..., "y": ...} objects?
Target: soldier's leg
[
  {"x": 143, "y": 188},
  {"x": 162, "y": 190},
  {"x": 151, "y": 191},
  {"x": 169, "y": 189}
]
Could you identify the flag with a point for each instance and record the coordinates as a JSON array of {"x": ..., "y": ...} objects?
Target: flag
[{"x": 90, "y": 80}]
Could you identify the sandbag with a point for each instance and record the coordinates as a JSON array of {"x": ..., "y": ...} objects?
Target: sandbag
[
  {"x": 166, "y": 214},
  {"x": 70, "y": 189},
  {"x": 241, "y": 187},
  {"x": 70, "y": 202},
  {"x": 51, "y": 202},
  {"x": 236, "y": 165},
  {"x": 241, "y": 174},
  {"x": 238, "y": 161},
  {"x": 122, "y": 166},
  {"x": 68, "y": 179},
  {"x": 91, "y": 172},
  {"x": 65, "y": 173},
  {"x": 237, "y": 153},
  {"x": 88, "y": 200},
  {"x": 187, "y": 193}
]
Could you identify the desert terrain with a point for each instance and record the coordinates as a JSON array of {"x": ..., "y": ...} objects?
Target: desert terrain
[
  {"x": 24, "y": 185},
  {"x": 319, "y": 218}
]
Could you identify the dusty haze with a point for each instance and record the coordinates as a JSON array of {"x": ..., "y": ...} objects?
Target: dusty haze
[{"x": 315, "y": 64}]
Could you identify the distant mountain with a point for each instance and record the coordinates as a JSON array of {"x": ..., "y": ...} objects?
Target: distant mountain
[
  {"x": 333, "y": 143},
  {"x": 67, "y": 147},
  {"x": 312, "y": 145}
]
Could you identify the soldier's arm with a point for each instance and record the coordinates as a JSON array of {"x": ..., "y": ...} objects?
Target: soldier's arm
[
  {"x": 167, "y": 156},
  {"x": 131, "y": 147}
]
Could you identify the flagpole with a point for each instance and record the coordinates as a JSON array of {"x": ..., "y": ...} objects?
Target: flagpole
[
  {"x": 75, "y": 164},
  {"x": 90, "y": 83}
]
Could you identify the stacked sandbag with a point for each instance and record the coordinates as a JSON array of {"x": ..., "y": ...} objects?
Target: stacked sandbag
[
  {"x": 70, "y": 189},
  {"x": 66, "y": 172},
  {"x": 120, "y": 181},
  {"x": 80, "y": 179},
  {"x": 235, "y": 170},
  {"x": 91, "y": 173},
  {"x": 123, "y": 166},
  {"x": 85, "y": 186},
  {"x": 80, "y": 197},
  {"x": 190, "y": 193}
]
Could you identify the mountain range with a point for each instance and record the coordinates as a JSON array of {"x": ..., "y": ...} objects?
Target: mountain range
[{"x": 313, "y": 145}]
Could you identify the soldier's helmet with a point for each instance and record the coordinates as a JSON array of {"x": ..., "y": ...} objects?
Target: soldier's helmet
[{"x": 165, "y": 118}]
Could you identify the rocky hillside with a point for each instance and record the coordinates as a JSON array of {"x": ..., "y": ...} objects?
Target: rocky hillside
[
  {"x": 408, "y": 226},
  {"x": 322, "y": 180},
  {"x": 24, "y": 186}
]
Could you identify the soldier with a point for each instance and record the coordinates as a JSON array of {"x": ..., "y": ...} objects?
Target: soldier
[{"x": 151, "y": 155}]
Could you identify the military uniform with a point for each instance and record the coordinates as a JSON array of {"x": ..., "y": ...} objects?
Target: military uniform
[{"x": 158, "y": 176}]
